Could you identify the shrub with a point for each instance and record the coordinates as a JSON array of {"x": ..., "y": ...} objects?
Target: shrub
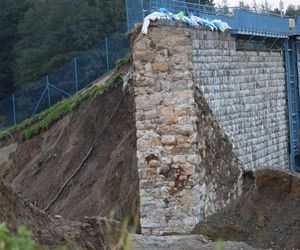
[{"x": 21, "y": 241}]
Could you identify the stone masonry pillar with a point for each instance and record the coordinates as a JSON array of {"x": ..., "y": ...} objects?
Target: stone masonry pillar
[{"x": 166, "y": 119}]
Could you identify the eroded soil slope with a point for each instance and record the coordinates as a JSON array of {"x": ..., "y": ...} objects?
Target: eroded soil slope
[
  {"x": 266, "y": 216},
  {"x": 108, "y": 182},
  {"x": 93, "y": 233}
]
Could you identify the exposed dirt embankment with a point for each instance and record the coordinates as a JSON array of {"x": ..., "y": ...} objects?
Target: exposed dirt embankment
[
  {"x": 267, "y": 215},
  {"x": 93, "y": 233},
  {"x": 106, "y": 185}
]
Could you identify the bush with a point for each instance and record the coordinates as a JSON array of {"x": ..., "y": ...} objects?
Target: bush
[{"x": 21, "y": 241}]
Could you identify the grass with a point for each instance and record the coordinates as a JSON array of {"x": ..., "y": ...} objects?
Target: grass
[
  {"x": 124, "y": 60},
  {"x": 43, "y": 120}
]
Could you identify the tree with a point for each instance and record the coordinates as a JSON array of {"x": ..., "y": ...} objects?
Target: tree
[
  {"x": 292, "y": 10},
  {"x": 53, "y": 31},
  {"x": 203, "y": 2},
  {"x": 11, "y": 13},
  {"x": 265, "y": 7},
  {"x": 276, "y": 11}
]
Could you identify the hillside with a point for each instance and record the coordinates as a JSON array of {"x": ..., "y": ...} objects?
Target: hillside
[
  {"x": 106, "y": 186},
  {"x": 107, "y": 183},
  {"x": 142, "y": 151}
]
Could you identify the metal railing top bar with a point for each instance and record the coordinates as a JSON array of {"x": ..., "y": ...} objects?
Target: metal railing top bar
[
  {"x": 205, "y": 9},
  {"x": 237, "y": 18}
]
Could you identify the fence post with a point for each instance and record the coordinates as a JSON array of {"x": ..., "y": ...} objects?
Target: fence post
[
  {"x": 107, "y": 56},
  {"x": 48, "y": 90},
  {"x": 76, "y": 74},
  {"x": 14, "y": 108}
]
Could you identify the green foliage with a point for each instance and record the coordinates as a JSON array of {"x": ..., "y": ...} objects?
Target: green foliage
[
  {"x": 276, "y": 11},
  {"x": 50, "y": 38},
  {"x": 124, "y": 60},
  {"x": 21, "y": 241},
  {"x": 11, "y": 14},
  {"x": 292, "y": 10},
  {"x": 43, "y": 120},
  {"x": 37, "y": 37},
  {"x": 220, "y": 245}
]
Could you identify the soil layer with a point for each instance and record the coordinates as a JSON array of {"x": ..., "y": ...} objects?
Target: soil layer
[
  {"x": 266, "y": 216},
  {"x": 107, "y": 184}
]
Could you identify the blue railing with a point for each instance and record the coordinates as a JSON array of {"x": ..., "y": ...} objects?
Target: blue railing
[
  {"x": 64, "y": 82},
  {"x": 297, "y": 21},
  {"x": 135, "y": 11},
  {"x": 263, "y": 24},
  {"x": 244, "y": 21}
]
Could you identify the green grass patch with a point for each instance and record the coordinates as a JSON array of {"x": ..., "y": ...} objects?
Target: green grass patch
[
  {"x": 124, "y": 60},
  {"x": 43, "y": 120}
]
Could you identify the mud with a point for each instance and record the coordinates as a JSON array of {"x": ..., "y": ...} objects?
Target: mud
[
  {"x": 49, "y": 232},
  {"x": 107, "y": 185},
  {"x": 266, "y": 216}
]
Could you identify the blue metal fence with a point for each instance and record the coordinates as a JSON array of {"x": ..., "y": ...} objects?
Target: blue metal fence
[
  {"x": 65, "y": 81},
  {"x": 243, "y": 21},
  {"x": 135, "y": 11}
]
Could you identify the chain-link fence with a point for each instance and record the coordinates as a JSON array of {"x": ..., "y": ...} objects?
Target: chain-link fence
[{"x": 64, "y": 82}]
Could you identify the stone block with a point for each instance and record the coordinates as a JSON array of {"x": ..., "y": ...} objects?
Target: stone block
[
  {"x": 168, "y": 140},
  {"x": 183, "y": 110},
  {"x": 188, "y": 169},
  {"x": 142, "y": 144},
  {"x": 154, "y": 140},
  {"x": 185, "y": 130},
  {"x": 160, "y": 66},
  {"x": 177, "y": 159}
]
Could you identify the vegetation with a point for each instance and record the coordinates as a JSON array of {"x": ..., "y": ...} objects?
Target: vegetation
[
  {"x": 124, "y": 60},
  {"x": 41, "y": 121},
  {"x": 21, "y": 241},
  {"x": 37, "y": 37},
  {"x": 11, "y": 14},
  {"x": 293, "y": 10}
]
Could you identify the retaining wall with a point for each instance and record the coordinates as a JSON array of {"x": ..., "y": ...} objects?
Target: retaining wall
[{"x": 204, "y": 112}]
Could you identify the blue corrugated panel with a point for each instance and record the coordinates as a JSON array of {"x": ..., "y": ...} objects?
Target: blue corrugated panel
[{"x": 261, "y": 23}]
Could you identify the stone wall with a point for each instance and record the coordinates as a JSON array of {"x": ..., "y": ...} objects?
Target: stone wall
[
  {"x": 187, "y": 168},
  {"x": 247, "y": 93},
  {"x": 204, "y": 112}
]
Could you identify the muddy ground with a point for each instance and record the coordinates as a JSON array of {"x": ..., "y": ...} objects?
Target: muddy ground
[
  {"x": 266, "y": 216},
  {"x": 107, "y": 185},
  {"x": 92, "y": 233}
]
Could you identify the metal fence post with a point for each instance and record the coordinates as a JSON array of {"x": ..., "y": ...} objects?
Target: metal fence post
[
  {"x": 76, "y": 74},
  {"x": 14, "y": 108},
  {"x": 106, "y": 52},
  {"x": 48, "y": 90}
]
